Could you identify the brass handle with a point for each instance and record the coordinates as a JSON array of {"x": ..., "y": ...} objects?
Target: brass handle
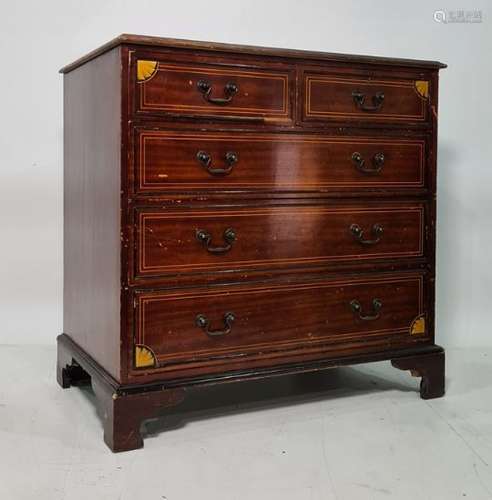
[
  {"x": 360, "y": 99},
  {"x": 202, "y": 322},
  {"x": 357, "y": 309},
  {"x": 229, "y": 91},
  {"x": 377, "y": 161},
  {"x": 205, "y": 238},
  {"x": 358, "y": 234},
  {"x": 205, "y": 159}
]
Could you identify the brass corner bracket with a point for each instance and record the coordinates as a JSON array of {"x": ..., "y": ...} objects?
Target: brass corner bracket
[
  {"x": 144, "y": 357},
  {"x": 418, "y": 326},
  {"x": 422, "y": 88},
  {"x": 146, "y": 70}
]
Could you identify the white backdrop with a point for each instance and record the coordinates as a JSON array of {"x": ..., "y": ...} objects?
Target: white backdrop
[{"x": 37, "y": 38}]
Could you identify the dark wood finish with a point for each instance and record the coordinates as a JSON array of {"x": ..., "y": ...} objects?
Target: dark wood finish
[
  {"x": 430, "y": 367},
  {"x": 214, "y": 47},
  {"x": 92, "y": 141},
  {"x": 123, "y": 414},
  {"x": 276, "y": 318},
  {"x": 330, "y": 96},
  {"x": 217, "y": 229},
  {"x": 268, "y": 237},
  {"x": 123, "y": 410},
  {"x": 175, "y": 89},
  {"x": 168, "y": 160}
]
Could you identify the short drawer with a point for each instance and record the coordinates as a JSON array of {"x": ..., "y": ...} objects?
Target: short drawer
[
  {"x": 224, "y": 160},
  {"x": 192, "y": 89},
  {"x": 176, "y": 241},
  {"x": 345, "y": 98},
  {"x": 215, "y": 325}
]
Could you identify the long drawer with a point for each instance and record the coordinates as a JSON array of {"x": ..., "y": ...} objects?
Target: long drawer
[
  {"x": 228, "y": 161},
  {"x": 208, "y": 325},
  {"x": 187, "y": 240}
]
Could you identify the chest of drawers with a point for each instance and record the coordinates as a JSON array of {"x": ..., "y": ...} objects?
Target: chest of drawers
[{"x": 235, "y": 213}]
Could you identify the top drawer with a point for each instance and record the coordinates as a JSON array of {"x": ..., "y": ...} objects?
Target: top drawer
[
  {"x": 206, "y": 90},
  {"x": 338, "y": 97}
]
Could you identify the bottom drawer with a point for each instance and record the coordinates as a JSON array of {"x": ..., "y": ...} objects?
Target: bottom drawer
[{"x": 227, "y": 325}]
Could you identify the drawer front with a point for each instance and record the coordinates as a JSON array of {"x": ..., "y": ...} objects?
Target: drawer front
[
  {"x": 335, "y": 97},
  {"x": 175, "y": 241},
  {"x": 207, "y": 90},
  {"x": 220, "y": 160},
  {"x": 204, "y": 325}
]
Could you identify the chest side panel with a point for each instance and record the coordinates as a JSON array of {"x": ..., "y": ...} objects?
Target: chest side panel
[{"x": 92, "y": 144}]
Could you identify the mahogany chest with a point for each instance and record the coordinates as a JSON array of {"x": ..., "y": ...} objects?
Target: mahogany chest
[{"x": 236, "y": 212}]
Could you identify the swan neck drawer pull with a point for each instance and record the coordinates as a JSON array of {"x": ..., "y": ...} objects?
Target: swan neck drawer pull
[
  {"x": 205, "y": 159},
  {"x": 357, "y": 310},
  {"x": 360, "y": 101},
  {"x": 205, "y": 238},
  {"x": 360, "y": 163},
  {"x": 358, "y": 234},
  {"x": 203, "y": 322},
  {"x": 230, "y": 90}
]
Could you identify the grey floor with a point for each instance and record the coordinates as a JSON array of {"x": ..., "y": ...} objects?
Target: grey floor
[{"x": 349, "y": 433}]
